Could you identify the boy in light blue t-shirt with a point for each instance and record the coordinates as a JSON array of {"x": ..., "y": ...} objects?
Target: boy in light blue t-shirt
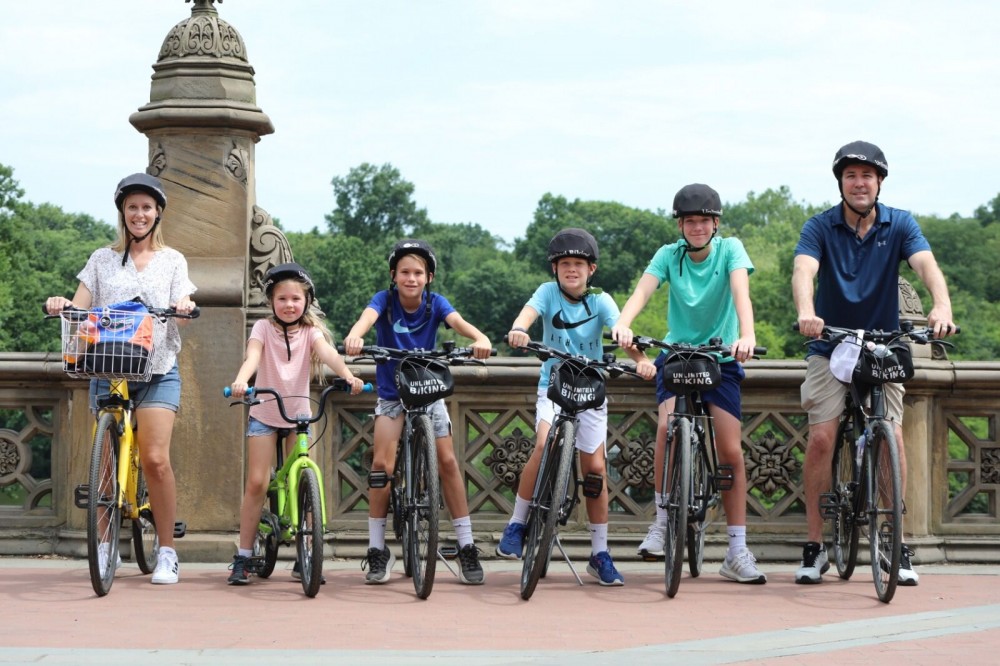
[
  {"x": 709, "y": 298},
  {"x": 573, "y": 321}
]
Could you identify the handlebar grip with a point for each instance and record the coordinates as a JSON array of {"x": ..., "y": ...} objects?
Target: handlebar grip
[
  {"x": 367, "y": 388},
  {"x": 760, "y": 351},
  {"x": 227, "y": 391},
  {"x": 795, "y": 326},
  {"x": 195, "y": 313},
  {"x": 341, "y": 350}
]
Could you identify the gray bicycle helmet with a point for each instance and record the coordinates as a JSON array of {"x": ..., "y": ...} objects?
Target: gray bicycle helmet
[
  {"x": 697, "y": 199},
  {"x": 140, "y": 182}
]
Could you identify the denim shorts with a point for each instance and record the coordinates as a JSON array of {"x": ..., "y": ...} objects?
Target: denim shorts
[
  {"x": 726, "y": 397},
  {"x": 162, "y": 391},
  {"x": 436, "y": 410},
  {"x": 257, "y": 428}
]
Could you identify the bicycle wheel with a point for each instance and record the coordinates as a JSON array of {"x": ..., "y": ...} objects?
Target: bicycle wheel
[
  {"x": 543, "y": 518},
  {"x": 309, "y": 535},
  {"x": 145, "y": 542},
  {"x": 676, "y": 493},
  {"x": 265, "y": 543},
  {"x": 885, "y": 509},
  {"x": 423, "y": 500},
  {"x": 847, "y": 496},
  {"x": 703, "y": 508},
  {"x": 104, "y": 514}
]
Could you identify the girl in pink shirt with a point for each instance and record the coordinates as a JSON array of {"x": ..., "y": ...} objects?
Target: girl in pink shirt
[{"x": 281, "y": 351}]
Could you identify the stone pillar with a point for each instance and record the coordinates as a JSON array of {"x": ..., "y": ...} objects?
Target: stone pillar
[{"x": 203, "y": 123}]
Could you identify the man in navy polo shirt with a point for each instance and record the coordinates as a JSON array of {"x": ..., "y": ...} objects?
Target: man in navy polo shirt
[{"x": 852, "y": 252}]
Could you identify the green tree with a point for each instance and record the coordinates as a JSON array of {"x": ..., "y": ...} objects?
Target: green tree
[{"x": 373, "y": 204}]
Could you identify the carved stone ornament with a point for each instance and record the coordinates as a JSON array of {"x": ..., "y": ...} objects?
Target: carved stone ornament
[
  {"x": 203, "y": 34},
  {"x": 770, "y": 464},
  {"x": 910, "y": 306},
  {"x": 157, "y": 161},
  {"x": 236, "y": 163},
  {"x": 268, "y": 248},
  {"x": 635, "y": 462},
  {"x": 509, "y": 457}
]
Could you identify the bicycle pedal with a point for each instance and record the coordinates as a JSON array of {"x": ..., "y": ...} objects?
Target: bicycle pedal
[
  {"x": 651, "y": 558},
  {"x": 724, "y": 477},
  {"x": 81, "y": 495},
  {"x": 829, "y": 505},
  {"x": 448, "y": 552},
  {"x": 180, "y": 529}
]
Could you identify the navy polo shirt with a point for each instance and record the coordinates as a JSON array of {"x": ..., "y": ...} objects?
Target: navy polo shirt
[{"x": 858, "y": 279}]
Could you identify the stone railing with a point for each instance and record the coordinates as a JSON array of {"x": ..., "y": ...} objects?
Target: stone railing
[{"x": 950, "y": 431}]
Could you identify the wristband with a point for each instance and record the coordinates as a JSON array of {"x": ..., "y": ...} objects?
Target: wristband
[{"x": 518, "y": 329}]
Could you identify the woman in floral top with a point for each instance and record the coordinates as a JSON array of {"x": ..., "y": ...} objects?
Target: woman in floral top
[{"x": 139, "y": 265}]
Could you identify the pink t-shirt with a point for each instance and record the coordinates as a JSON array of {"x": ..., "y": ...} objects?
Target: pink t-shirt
[{"x": 290, "y": 378}]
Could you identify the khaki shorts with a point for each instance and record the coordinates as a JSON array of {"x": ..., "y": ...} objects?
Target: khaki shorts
[{"x": 823, "y": 394}]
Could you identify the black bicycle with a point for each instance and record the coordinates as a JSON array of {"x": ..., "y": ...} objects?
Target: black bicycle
[
  {"x": 422, "y": 377},
  {"x": 692, "y": 479},
  {"x": 866, "y": 493},
  {"x": 576, "y": 383}
]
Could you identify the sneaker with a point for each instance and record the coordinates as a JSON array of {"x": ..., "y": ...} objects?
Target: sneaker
[
  {"x": 815, "y": 563},
  {"x": 742, "y": 568},
  {"x": 297, "y": 573},
  {"x": 602, "y": 567},
  {"x": 512, "y": 542},
  {"x": 167, "y": 568},
  {"x": 240, "y": 576},
  {"x": 379, "y": 564},
  {"x": 471, "y": 571},
  {"x": 652, "y": 546},
  {"x": 907, "y": 576},
  {"x": 103, "y": 553}
]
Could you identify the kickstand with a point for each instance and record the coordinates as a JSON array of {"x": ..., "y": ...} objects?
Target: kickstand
[
  {"x": 558, "y": 544},
  {"x": 444, "y": 560}
]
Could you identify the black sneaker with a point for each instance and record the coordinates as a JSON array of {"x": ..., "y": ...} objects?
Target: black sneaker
[
  {"x": 297, "y": 574},
  {"x": 815, "y": 563},
  {"x": 239, "y": 567},
  {"x": 379, "y": 564},
  {"x": 471, "y": 571},
  {"x": 907, "y": 576}
]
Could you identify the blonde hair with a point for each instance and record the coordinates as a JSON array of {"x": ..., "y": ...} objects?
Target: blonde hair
[
  {"x": 312, "y": 317},
  {"x": 156, "y": 240}
]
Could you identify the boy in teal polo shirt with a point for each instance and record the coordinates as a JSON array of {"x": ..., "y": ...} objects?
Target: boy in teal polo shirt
[{"x": 709, "y": 297}]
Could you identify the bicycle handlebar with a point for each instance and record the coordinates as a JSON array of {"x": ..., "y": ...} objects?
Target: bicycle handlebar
[
  {"x": 337, "y": 385},
  {"x": 920, "y": 336},
  {"x": 449, "y": 352},
  {"x": 74, "y": 313},
  {"x": 643, "y": 342},
  {"x": 609, "y": 363}
]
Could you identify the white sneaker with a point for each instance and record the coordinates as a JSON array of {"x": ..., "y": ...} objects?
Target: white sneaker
[
  {"x": 742, "y": 567},
  {"x": 652, "y": 546},
  {"x": 167, "y": 568},
  {"x": 815, "y": 563},
  {"x": 103, "y": 553},
  {"x": 907, "y": 576}
]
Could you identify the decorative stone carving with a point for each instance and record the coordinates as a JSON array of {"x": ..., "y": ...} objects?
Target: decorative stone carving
[
  {"x": 10, "y": 456},
  {"x": 158, "y": 161},
  {"x": 910, "y": 306},
  {"x": 204, "y": 34},
  {"x": 268, "y": 248},
  {"x": 635, "y": 462},
  {"x": 237, "y": 163},
  {"x": 989, "y": 471},
  {"x": 770, "y": 464},
  {"x": 509, "y": 457}
]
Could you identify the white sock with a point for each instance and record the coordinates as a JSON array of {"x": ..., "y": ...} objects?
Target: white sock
[
  {"x": 520, "y": 510},
  {"x": 463, "y": 531},
  {"x": 244, "y": 552},
  {"x": 376, "y": 532},
  {"x": 661, "y": 513},
  {"x": 737, "y": 538},
  {"x": 598, "y": 537},
  {"x": 168, "y": 550}
]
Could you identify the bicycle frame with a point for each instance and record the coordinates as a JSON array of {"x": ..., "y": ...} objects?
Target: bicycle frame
[
  {"x": 691, "y": 407},
  {"x": 286, "y": 481}
]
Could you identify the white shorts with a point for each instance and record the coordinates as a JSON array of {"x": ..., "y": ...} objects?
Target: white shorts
[{"x": 592, "y": 430}]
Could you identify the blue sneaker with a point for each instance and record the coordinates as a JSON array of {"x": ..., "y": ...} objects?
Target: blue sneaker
[
  {"x": 512, "y": 542},
  {"x": 602, "y": 567}
]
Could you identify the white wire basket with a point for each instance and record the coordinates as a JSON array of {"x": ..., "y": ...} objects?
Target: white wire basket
[{"x": 108, "y": 344}]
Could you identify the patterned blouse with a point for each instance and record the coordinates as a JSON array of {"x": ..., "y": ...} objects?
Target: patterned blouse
[{"x": 161, "y": 284}]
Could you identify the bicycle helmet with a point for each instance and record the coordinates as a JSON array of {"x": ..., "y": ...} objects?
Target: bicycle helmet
[
  {"x": 573, "y": 243},
  {"x": 415, "y": 246},
  {"x": 860, "y": 152},
  {"x": 140, "y": 182},
  {"x": 697, "y": 199},
  {"x": 280, "y": 273}
]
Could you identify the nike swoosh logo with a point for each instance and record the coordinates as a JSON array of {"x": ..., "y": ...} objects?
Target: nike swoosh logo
[
  {"x": 399, "y": 327},
  {"x": 557, "y": 321}
]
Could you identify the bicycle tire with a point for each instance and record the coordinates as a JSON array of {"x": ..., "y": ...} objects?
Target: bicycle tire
[
  {"x": 266, "y": 541},
  {"x": 145, "y": 541},
  {"x": 676, "y": 492},
  {"x": 104, "y": 514},
  {"x": 309, "y": 532},
  {"x": 544, "y": 521},
  {"x": 703, "y": 504},
  {"x": 885, "y": 509},
  {"x": 424, "y": 501},
  {"x": 846, "y": 527}
]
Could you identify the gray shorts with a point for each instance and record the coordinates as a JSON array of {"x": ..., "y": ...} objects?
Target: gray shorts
[
  {"x": 823, "y": 394},
  {"x": 436, "y": 410}
]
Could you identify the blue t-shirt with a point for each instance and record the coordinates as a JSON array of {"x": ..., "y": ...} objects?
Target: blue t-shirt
[
  {"x": 858, "y": 279},
  {"x": 405, "y": 330},
  {"x": 572, "y": 327}
]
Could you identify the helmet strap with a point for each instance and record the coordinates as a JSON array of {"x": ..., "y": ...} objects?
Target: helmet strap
[
  {"x": 862, "y": 214},
  {"x": 687, "y": 248},
  {"x": 137, "y": 239}
]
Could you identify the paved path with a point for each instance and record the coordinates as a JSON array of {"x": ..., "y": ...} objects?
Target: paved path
[{"x": 51, "y": 616}]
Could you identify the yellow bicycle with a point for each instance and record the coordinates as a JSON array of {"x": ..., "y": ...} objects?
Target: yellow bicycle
[{"x": 116, "y": 488}]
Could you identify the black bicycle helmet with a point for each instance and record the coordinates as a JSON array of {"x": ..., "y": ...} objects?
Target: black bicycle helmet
[
  {"x": 289, "y": 271},
  {"x": 573, "y": 243},
  {"x": 697, "y": 199},
  {"x": 860, "y": 152},
  {"x": 413, "y": 246},
  {"x": 140, "y": 182}
]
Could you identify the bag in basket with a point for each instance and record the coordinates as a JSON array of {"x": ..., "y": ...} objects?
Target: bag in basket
[
  {"x": 686, "y": 372},
  {"x": 575, "y": 386},
  {"x": 122, "y": 337},
  {"x": 421, "y": 381},
  {"x": 892, "y": 363}
]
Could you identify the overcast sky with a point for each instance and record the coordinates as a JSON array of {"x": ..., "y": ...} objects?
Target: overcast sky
[{"x": 487, "y": 105}]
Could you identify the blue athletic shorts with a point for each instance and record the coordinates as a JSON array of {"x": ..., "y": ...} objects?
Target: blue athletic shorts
[{"x": 726, "y": 397}]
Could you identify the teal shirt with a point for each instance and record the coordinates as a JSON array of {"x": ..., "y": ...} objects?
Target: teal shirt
[{"x": 701, "y": 302}]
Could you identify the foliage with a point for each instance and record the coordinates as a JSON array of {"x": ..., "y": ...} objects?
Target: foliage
[{"x": 374, "y": 203}]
